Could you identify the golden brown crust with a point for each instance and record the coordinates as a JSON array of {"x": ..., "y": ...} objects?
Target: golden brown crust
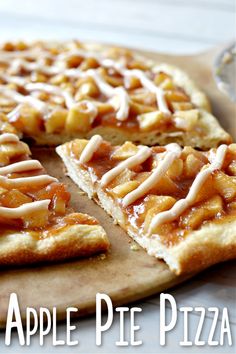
[{"x": 18, "y": 248}]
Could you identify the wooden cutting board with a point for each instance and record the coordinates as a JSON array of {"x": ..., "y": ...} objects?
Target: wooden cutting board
[{"x": 124, "y": 274}]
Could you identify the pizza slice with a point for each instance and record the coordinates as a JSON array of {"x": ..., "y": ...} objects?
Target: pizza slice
[
  {"x": 177, "y": 203},
  {"x": 53, "y": 92},
  {"x": 36, "y": 223}
]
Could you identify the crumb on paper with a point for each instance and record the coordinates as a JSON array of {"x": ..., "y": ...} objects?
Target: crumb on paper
[
  {"x": 80, "y": 192},
  {"x": 134, "y": 247},
  {"x": 102, "y": 256}
]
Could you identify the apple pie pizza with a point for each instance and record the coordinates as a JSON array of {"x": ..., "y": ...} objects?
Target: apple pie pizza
[
  {"x": 177, "y": 203},
  {"x": 36, "y": 223},
  {"x": 53, "y": 92}
]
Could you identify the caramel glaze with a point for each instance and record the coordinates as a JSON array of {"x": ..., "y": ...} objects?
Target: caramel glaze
[{"x": 169, "y": 233}]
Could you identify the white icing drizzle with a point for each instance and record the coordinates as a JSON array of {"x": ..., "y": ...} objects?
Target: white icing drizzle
[
  {"x": 171, "y": 154},
  {"x": 8, "y": 138},
  {"x": 20, "y": 63},
  {"x": 142, "y": 155},
  {"x": 90, "y": 148},
  {"x": 16, "y": 96},
  {"x": 110, "y": 91},
  {"x": 20, "y": 182},
  {"x": 181, "y": 205},
  {"x": 25, "y": 209},
  {"x": 146, "y": 82},
  {"x": 21, "y": 166},
  {"x": 39, "y": 86},
  {"x": 59, "y": 66}
]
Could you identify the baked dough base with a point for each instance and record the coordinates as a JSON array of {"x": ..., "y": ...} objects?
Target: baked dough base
[{"x": 18, "y": 248}]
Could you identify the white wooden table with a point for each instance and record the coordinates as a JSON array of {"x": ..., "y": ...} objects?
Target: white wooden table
[{"x": 174, "y": 26}]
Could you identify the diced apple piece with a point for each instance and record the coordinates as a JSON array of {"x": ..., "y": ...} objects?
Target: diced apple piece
[
  {"x": 36, "y": 219},
  {"x": 59, "y": 206},
  {"x": 125, "y": 176},
  {"x": 232, "y": 205},
  {"x": 104, "y": 108},
  {"x": 15, "y": 198},
  {"x": 232, "y": 148},
  {"x": 56, "y": 121},
  {"x": 160, "y": 77},
  {"x": 38, "y": 77},
  {"x": 181, "y": 106},
  {"x": 232, "y": 168},
  {"x": 88, "y": 88},
  {"x": 12, "y": 150},
  {"x": 30, "y": 119},
  {"x": 195, "y": 217},
  {"x": 141, "y": 176},
  {"x": 58, "y": 79},
  {"x": 192, "y": 166},
  {"x": 207, "y": 190},
  {"x": 176, "y": 169},
  {"x": 79, "y": 118},
  {"x": 167, "y": 84},
  {"x": 151, "y": 120},
  {"x": 89, "y": 63},
  {"x": 74, "y": 61},
  {"x": 125, "y": 151},
  {"x": 176, "y": 96},
  {"x": 77, "y": 146},
  {"x": 138, "y": 108},
  {"x": 121, "y": 190},
  {"x": 132, "y": 83},
  {"x": 225, "y": 185},
  {"x": 186, "y": 120},
  {"x": 165, "y": 186},
  {"x": 154, "y": 205},
  {"x": 188, "y": 150},
  {"x": 2, "y": 191}
]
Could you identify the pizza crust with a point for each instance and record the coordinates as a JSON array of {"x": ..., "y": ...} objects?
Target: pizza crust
[{"x": 18, "y": 248}]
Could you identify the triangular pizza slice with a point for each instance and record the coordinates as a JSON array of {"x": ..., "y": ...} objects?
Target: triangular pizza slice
[
  {"x": 177, "y": 203},
  {"x": 36, "y": 223}
]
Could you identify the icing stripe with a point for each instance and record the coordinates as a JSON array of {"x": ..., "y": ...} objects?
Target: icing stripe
[
  {"x": 52, "y": 90},
  {"x": 16, "y": 96},
  {"x": 8, "y": 138},
  {"x": 142, "y": 155},
  {"x": 21, "y": 166},
  {"x": 110, "y": 91},
  {"x": 25, "y": 209},
  {"x": 90, "y": 148},
  {"x": 146, "y": 82},
  {"x": 59, "y": 67},
  {"x": 181, "y": 205},
  {"x": 152, "y": 180},
  {"x": 21, "y": 182}
]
